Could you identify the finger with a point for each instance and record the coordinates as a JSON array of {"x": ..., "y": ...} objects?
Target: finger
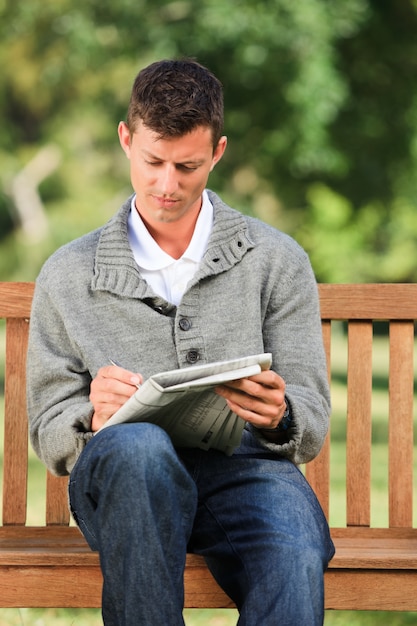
[
  {"x": 259, "y": 420},
  {"x": 268, "y": 378},
  {"x": 110, "y": 390},
  {"x": 252, "y": 384},
  {"x": 119, "y": 373},
  {"x": 254, "y": 396},
  {"x": 239, "y": 402},
  {"x": 265, "y": 412}
]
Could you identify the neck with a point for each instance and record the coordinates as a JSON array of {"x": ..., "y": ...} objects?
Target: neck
[
  {"x": 172, "y": 237},
  {"x": 172, "y": 242}
]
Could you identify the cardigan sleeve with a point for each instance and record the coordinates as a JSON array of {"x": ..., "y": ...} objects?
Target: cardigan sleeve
[
  {"x": 292, "y": 332},
  {"x": 57, "y": 389}
]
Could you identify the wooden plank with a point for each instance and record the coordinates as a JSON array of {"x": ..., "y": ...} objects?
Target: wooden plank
[
  {"x": 15, "y": 299},
  {"x": 318, "y": 470},
  {"x": 358, "y": 428},
  {"x": 370, "y": 590},
  {"x": 372, "y": 301},
  {"x": 318, "y": 476},
  {"x": 361, "y": 532},
  {"x": 344, "y": 589},
  {"x": 366, "y": 301},
  {"x": 59, "y": 586},
  {"x": 384, "y": 548},
  {"x": 44, "y": 546},
  {"x": 55, "y": 586},
  {"x": 15, "y": 464},
  {"x": 391, "y": 553},
  {"x": 201, "y": 590},
  {"x": 63, "y": 586},
  {"x": 57, "y": 511},
  {"x": 401, "y": 389}
]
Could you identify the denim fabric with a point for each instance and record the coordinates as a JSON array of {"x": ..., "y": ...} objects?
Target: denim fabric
[{"x": 253, "y": 517}]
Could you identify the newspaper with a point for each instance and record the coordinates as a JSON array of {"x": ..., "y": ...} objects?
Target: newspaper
[{"x": 183, "y": 402}]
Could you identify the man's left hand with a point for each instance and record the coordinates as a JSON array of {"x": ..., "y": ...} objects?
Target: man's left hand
[{"x": 259, "y": 399}]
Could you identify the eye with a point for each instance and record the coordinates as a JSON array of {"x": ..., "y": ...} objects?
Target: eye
[{"x": 187, "y": 168}]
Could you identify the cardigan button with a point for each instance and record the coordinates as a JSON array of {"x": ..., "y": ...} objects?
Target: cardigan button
[
  {"x": 184, "y": 323},
  {"x": 192, "y": 356}
]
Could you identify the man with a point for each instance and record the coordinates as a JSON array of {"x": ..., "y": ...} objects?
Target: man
[{"x": 176, "y": 277}]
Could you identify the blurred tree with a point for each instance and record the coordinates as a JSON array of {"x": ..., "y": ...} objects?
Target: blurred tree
[{"x": 321, "y": 107}]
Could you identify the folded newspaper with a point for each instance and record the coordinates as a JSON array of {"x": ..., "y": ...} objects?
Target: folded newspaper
[{"x": 183, "y": 402}]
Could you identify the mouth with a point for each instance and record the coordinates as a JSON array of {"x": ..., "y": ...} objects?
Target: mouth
[{"x": 165, "y": 202}]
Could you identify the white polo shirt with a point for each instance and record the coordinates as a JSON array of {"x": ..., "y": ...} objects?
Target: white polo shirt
[{"x": 167, "y": 276}]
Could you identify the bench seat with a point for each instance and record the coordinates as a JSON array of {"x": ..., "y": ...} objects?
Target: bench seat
[{"x": 364, "y": 557}]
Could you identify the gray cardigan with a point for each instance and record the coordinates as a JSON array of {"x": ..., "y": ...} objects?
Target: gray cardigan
[{"x": 253, "y": 292}]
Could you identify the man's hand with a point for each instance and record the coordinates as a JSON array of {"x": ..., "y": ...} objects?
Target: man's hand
[
  {"x": 109, "y": 390},
  {"x": 258, "y": 399}
]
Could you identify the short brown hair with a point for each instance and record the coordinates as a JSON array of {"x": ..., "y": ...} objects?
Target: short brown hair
[{"x": 172, "y": 98}]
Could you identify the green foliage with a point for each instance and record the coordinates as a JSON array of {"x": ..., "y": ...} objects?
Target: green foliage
[
  {"x": 372, "y": 242},
  {"x": 320, "y": 107}
]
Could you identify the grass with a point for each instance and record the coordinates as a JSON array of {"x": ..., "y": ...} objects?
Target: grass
[
  {"x": 92, "y": 617},
  {"x": 194, "y": 617},
  {"x": 228, "y": 617}
]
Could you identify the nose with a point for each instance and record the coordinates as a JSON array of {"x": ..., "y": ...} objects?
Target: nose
[{"x": 169, "y": 179}]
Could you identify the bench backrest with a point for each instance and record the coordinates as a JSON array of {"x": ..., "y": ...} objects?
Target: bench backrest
[
  {"x": 357, "y": 305},
  {"x": 360, "y": 306}
]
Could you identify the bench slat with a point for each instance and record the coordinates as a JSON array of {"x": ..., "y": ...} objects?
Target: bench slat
[
  {"x": 57, "y": 511},
  {"x": 371, "y": 590},
  {"x": 358, "y": 431},
  {"x": 16, "y": 427},
  {"x": 318, "y": 470},
  {"x": 371, "y": 301},
  {"x": 16, "y": 299},
  {"x": 401, "y": 388},
  {"x": 375, "y": 548}
]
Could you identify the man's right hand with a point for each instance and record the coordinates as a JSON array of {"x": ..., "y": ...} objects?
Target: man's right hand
[{"x": 109, "y": 390}]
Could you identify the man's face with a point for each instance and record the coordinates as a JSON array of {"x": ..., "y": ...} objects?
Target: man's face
[{"x": 169, "y": 175}]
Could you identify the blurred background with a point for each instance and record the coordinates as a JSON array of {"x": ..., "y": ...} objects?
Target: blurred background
[{"x": 321, "y": 116}]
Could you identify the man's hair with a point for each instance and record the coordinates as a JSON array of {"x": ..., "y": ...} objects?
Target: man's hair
[{"x": 172, "y": 98}]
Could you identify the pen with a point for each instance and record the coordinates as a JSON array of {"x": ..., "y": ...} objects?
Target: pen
[{"x": 113, "y": 362}]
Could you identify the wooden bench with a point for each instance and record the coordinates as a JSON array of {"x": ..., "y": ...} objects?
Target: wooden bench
[{"x": 374, "y": 568}]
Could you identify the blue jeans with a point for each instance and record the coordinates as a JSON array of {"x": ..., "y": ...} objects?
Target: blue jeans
[{"x": 142, "y": 504}]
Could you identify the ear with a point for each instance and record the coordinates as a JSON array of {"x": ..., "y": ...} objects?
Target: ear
[
  {"x": 219, "y": 151},
  {"x": 124, "y": 138}
]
